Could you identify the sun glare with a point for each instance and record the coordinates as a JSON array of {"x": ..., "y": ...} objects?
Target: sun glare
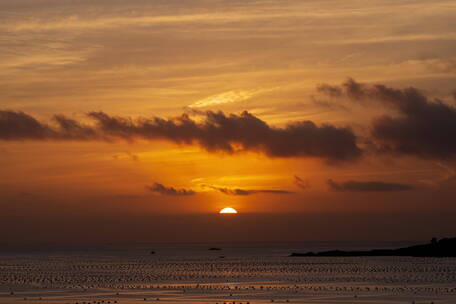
[{"x": 228, "y": 210}]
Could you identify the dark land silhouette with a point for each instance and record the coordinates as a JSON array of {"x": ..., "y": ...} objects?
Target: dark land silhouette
[{"x": 445, "y": 247}]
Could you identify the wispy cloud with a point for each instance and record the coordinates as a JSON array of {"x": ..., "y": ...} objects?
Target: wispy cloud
[
  {"x": 368, "y": 186},
  {"x": 75, "y": 22},
  {"x": 303, "y": 184},
  {"x": 126, "y": 155},
  {"x": 164, "y": 190},
  {"x": 238, "y": 191},
  {"x": 223, "y": 98}
]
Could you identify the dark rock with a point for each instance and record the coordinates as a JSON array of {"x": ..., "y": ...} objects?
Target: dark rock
[{"x": 437, "y": 248}]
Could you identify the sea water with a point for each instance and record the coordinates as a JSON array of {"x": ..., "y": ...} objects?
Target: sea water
[{"x": 220, "y": 273}]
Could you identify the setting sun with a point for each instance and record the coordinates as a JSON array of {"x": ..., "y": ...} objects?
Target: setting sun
[
  {"x": 228, "y": 210},
  {"x": 130, "y": 128}
]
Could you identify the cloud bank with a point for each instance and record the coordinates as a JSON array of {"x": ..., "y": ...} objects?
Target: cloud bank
[
  {"x": 368, "y": 186},
  {"x": 420, "y": 126},
  {"x": 21, "y": 126},
  {"x": 423, "y": 127},
  {"x": 217, "y": 132}
]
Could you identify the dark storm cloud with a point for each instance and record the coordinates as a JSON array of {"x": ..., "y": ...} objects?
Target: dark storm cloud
[
  {"x": 368, "y": 186},
  {"x": 424, "y": 127},
  {"x": 236, "y": 191},
  {"x": 217, "y": 132},
  {"x": 163, "y": 190}
]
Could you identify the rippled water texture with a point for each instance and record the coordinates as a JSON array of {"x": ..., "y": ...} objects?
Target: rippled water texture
[{"x": 236, "y": 273}]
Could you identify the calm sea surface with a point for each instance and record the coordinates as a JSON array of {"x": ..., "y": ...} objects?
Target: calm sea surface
[{"x": 192, "y": 273}]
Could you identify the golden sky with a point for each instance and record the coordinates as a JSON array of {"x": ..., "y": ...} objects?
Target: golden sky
[{"x": 325, "y": 109}]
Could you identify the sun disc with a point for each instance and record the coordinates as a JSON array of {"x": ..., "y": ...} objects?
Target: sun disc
[{"x": 228, "y": 210}]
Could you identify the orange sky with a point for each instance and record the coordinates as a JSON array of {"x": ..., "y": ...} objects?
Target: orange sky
[{"x": 284, "y": 63}]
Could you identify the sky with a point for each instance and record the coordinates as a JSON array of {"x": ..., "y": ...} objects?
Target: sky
[{"x": 137, "y": 121}]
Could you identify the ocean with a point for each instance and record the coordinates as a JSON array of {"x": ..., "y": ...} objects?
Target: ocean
[{"x": 220, "y": 273}]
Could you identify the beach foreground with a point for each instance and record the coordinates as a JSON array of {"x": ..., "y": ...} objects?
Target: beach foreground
[{"x": 194, "y": 274}]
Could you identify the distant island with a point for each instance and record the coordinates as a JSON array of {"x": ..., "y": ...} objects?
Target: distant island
[{"x": 445, "y": 247}]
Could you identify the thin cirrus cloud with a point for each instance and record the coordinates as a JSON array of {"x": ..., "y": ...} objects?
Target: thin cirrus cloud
[
  {"x": 218, "y": 132},
  {"x": 443, "y": 65},
  {"x": 103, "y": 22},
  {"x": 164, "y": 190},
  {"x": 367, "y": 186},
  {"x": 224, "y": 98},
  {"x": 424, "y": 127},
  {"x": 172, "y": 191},
  {"x": 237, "y": 191}
]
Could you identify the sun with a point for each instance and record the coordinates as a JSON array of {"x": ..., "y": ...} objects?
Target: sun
[{"x": 228, "y": 210}]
